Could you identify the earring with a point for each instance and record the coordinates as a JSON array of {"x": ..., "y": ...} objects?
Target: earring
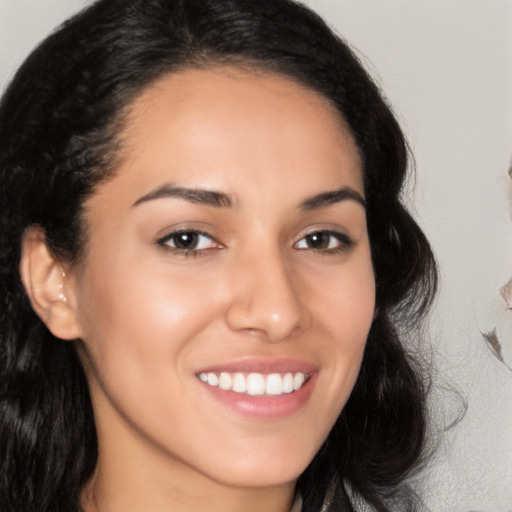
[{"x": 61, "y": 295}]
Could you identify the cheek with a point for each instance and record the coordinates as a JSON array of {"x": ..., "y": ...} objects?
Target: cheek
[
  {"x": 142, "y": 320},
  {"x": 134, "y": 316},
  {"x": 139, "y": 327},
  {"x": 344, "y": 311},
  {"x": 344, "y": 300}
]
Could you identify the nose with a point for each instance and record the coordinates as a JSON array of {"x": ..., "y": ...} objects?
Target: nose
[{"x": 266, "y": 298}]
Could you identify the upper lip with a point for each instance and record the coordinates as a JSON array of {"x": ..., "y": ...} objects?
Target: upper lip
[{"x": 261, "y": 365}]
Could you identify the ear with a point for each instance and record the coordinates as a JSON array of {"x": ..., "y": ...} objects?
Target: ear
[{"x": 48, "y": 286}]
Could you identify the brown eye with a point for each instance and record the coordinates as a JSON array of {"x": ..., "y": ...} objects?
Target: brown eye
[
  {"x": 324, "y": 240},
  {"x": 318, "y": 240},
  {"x": 188, "y": 241}
]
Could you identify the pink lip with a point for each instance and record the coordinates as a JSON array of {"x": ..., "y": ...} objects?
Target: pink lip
[
  {"x": 262, "y": 365},
  {"x": 263, "y": 407}
]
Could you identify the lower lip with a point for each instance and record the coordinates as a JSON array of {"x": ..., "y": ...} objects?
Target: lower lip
[{"x": 264, "y": 406}]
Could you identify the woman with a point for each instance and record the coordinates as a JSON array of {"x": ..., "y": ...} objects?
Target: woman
[{"x": 208, "y": 278}]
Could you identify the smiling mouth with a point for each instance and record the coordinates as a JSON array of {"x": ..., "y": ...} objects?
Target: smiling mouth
[{"x": 256, "y": 384}]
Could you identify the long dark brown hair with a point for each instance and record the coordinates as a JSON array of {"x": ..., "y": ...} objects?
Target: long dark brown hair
[{"x": 59, "y": 124}]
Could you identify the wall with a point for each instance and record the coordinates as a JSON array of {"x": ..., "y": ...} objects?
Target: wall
[{"x": 446, "y": 66}]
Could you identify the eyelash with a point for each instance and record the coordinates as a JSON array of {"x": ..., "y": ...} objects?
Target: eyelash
[{"x": 343, "y": 242}]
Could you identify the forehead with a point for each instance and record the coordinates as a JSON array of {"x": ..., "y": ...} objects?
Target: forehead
[
  {"x": 227, "y": 84},
  {"x": 218, "y": 126}
]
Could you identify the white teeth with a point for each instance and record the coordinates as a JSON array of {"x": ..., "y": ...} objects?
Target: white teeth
[
  {"x": 274, "y": 384},
  {"x": 225, "y": 381},
  {"x": 298, "y": 380},
  {"x": 288, "y": 383},
  {"x": 239, "y": 383},
  {"x": 255, "y": 384},
  {"x": 213, "y": 380}
]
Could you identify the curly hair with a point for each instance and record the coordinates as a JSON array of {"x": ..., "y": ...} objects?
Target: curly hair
[{"x": 60, "y": 120}]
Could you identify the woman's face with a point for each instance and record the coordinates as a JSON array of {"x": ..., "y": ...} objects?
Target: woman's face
[{"x": 227, "y": 262}]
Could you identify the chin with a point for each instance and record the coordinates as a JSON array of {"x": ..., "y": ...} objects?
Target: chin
[{"x": 265, "y": 468}]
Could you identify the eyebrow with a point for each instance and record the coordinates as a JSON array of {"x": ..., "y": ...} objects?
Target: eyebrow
[
  {"x": 220, "y": 199},
  {"x": 335, "y": 196},
  {"x": 193, "y": 195}
]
